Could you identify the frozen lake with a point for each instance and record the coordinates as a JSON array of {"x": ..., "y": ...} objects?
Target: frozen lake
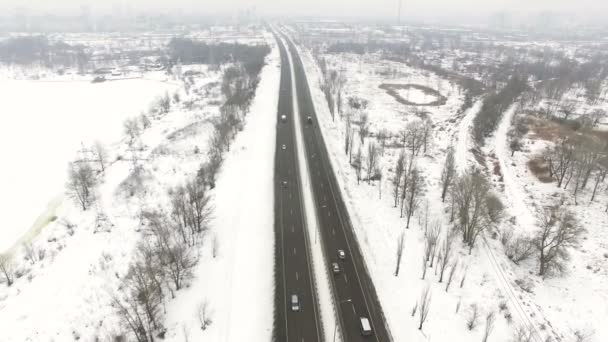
[{"x": 42, "y": 126}]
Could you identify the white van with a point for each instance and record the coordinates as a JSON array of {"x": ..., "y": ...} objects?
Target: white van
[{"x": 366, "y": 328}]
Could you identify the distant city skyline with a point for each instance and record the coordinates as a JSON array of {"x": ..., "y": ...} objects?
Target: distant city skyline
[{"x": 328, "y": 8}]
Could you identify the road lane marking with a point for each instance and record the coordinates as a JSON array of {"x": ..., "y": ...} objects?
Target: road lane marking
[
  {"x": 297, "y": 276},
  {"x": 294, "y": 251}
]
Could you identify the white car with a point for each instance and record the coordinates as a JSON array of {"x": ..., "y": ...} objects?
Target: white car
[
  {"x": 335, "y": 267},
  {"x": 283, "y": 118},
  {"x": 295, "y": 303},
  {"x": 341, "y": 254},
  {"x": 283, "y": 147}
]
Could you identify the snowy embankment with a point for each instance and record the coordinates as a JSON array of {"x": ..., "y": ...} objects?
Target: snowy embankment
[
  {"x": 43, "y": 126},
  {"x": 68, "y": 293},
  {"x": 239, "y": 283}
]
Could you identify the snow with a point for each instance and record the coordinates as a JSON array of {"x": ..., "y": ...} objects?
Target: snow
[
  {"x": 464, "y": 142},
  {"x": 573, "y": 301},
  {"x": 418, "y": 96},
  {"x": 239, "y": 283},
  {"x": 513, "y": 193},
  {"x": 378, "y": 226},
  {"x": 68, "y": 294},
  {"x": 43, "y": 125}
]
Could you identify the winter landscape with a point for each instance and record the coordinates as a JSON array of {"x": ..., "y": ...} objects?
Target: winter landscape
[{"x": 260, "y": 173}]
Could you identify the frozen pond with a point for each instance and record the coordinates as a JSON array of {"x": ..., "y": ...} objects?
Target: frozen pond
[{"x": 42, "y": 127}]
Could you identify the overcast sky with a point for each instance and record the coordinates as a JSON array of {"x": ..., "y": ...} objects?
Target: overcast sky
[{"x": 366, "y": 8}]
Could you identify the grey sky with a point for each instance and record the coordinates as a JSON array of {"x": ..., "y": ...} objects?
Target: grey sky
[{"x": 384, "y": 8}]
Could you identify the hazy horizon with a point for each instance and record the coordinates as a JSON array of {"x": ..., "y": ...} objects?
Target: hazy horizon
[{"x": 327, "y": 8}]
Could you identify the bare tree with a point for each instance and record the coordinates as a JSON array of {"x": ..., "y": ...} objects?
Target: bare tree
[
  {"x": 145, "y": 121},
  {"x": 363, "y": 127},
  {"x": 101, "y": 154},
  {"x": 425, "y": 305},
  {"x": 600, "y": 175},
  {"x": 399, "y": 170},
  {"x": 7, "y": 268},
  {"x": 522, "y": 334},
  {"x": 451, "y": 275},
  {"x": 423, "y": 266},
  {"x": 448, "y": 173},
  {"x": 490, "y": 320},
  {"x": 414, "y": 191},
  {"x": 358, "y": 164},
  {"x": 559, "y": 231},
  {"x": 81, "y": 183},
  {"x": 133, "y": 317},
  {"x": 559, "y": 159},
  {"x": 198, "y": 204},
  {"x": 400, "y": 245},
  {"x": 31, "y": 252},
  {"x": 177, "y": 258},
  {"x": 371, "y": 160},
  {"x": 164, "y": 104},
  {"x": 446, "y": 251},
  {"x": 132, "y": 129},
  {"x": 347, "y": 134},
  {"x": 473, "y": 316},
  {"x": 414, "y": 134},
  {"x": 426, "y": 134},
  {"x": 470, "y": 193},
  {"x": 382, "y": 136},
  {"x": 203, "y": 315},
  {"x": 431, "y": 236}
]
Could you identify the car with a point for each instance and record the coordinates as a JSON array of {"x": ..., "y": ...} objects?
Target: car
[
  {"x": 283, "y": 118},
  {"x": 309, "y": 120},
  {"x": 295, "y": 303},
  {"x": 341, "y": 254},
  {"x": 366, "y": 328},
  {"x": 284, "y": 183},
  {"x": 283, "y": 147},
  {"x": 335, "y": 267}
]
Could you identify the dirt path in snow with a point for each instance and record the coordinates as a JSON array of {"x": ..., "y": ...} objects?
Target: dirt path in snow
[
  {"x": 514, "y": 194},
  {"x": 464, "y": 139}
]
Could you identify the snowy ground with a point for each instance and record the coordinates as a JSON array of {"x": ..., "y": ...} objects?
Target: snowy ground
[
  {"x": 490, "y": 276},
  {"x": 67, "y": 295},
  {"x": 43, "y": 125},
  {"x": 576, "y": 300}
]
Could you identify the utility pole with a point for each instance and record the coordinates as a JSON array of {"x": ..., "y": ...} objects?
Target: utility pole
[{"x": 399, "y": 13}]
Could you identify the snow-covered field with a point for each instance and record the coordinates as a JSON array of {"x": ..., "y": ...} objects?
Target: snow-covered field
[
  {"x": 555, "y": 307},
  {"x": 43, "y": 126},
  {"x": 68, "y": 294}
]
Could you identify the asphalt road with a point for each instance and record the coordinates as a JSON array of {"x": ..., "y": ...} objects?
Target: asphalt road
[
  {"x": 353, "y": 289},
  {"x": 294, "y": 274}
]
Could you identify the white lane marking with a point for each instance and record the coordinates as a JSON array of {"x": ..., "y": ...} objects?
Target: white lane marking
[
  {"x": 294, "y": 250},
  {"x": 297, "y": 276}
]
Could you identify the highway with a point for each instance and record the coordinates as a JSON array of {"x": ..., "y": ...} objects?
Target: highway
[
  {"x": 353, "y": 289},
  {"x": 294, "y": 273}
]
